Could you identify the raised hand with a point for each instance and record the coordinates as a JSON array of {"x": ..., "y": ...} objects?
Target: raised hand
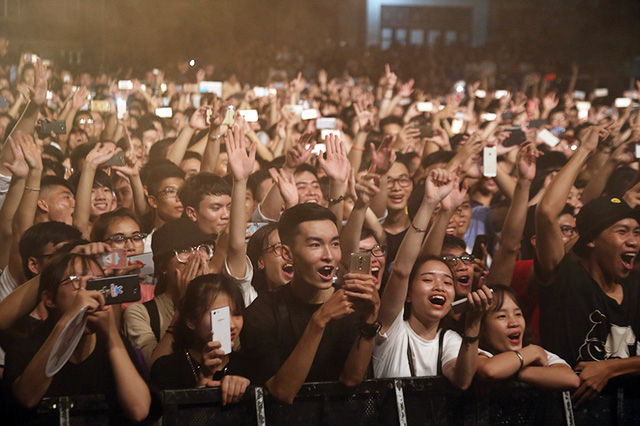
[
  {"x": 298, "y": 84},
  {"x": 365, "y": 118},
  {"x": 550, "y": 101},
  {"x": 80, "y": 97},
  {"x": 40, "y": 88},
  {"x": 286, "y": 185},
  {"x": 198, "y": 120},
  {"x": 211, "y": 357},
  {"x": 526, "y": 161},
  {"x": 100, "y": 154},
  {"x": 298, "y": 154},
  {"x": 406, "y": 89},
  {"x": 383, "y": 158},
  {"x": 132, "y": 167},
  {"x": 456, "y": 197},
  {"x": 31, "y": 151},
  {"x": 479, "y": 301},
  {"x": 240, "y": 163},
  {"x": 363, "y": 288},
  {"x": 367, "y": 187},
  {"x": 339, "y": 305},
  {"x": 389, "y": 79},
  {"x": 439, "y": 184},
  {"x": 322, "y": 77},
  {"x": 19, "y": 168},
  {"x": 336, "y": 166}
]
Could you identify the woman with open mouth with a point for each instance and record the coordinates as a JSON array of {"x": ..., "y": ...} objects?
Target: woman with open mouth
[{"x": 505, "y": 355}]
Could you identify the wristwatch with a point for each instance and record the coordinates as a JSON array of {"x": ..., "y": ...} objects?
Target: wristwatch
[{"x": 369, "y": 331}]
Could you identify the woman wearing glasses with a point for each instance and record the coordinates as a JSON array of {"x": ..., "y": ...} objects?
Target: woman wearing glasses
[
  {"x": 101, "y": 363},
  {"x": 265, "y": 251}
]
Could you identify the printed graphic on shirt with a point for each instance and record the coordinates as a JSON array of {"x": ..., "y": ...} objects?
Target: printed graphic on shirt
[{"x": 606, "y": 340}]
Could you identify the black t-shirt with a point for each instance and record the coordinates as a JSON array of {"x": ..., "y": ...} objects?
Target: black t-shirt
[
  {"x": 579, "y": 322},
  {"x": 393, "y": 244},
  {"x": 273, "y": 325},
  {"x": 173, "y": 371},
  {"x": 92, "y": 376}
]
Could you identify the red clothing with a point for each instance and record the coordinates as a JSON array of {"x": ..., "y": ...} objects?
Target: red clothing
[{"x": 527, "y": 295}]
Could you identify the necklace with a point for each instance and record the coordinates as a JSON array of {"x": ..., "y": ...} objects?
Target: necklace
[{"x": 193, "y": 369}]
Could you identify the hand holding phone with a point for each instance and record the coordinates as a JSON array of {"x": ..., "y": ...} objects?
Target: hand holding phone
[
  {"x": 360, "y": 263},
  {"x": 221, "y": 327},
  {"x": 116, "y": 290}
]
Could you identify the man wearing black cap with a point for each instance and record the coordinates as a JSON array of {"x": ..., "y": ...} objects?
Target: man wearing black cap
[{"x": 589, "y": 298}]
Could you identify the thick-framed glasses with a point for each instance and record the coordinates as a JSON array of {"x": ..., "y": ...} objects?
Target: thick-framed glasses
[
  {"x": 453, "y": 260},
  {"x": 85, "y": 121},
  {"x": 377, "y": 251},
  {"x": 74, "y": 280},
  {"x": 120, "y": 240},
  {"x": 403, "y": 181},
  {"x": 568, "y": 231},
  {"x": 277, "y": 249},
  {"x": 170, "y": 192},
  {"x": 183, "y": 255}
]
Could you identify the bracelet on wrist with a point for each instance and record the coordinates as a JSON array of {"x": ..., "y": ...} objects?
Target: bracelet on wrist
[
  {"x": 336, "y": 200},
  {"x": 28, "y": 188},
  {"x": 471, "y": 339},
  {"x": 521, "y": 359},
  {"x": 418, "y": 229},
  {"x": 357, "y": 148}
]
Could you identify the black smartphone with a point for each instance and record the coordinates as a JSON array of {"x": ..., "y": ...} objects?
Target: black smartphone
[
  {"x": 425, "y": 131},
  {"x": 536, "y": 124},
  {"x": 516, "y": 137},
  {"x": 117, "y": 160},
  {"x": 3, "y": 102},
  {"x": 58, "y": 127},
  {"x": 116, "y": 290}
]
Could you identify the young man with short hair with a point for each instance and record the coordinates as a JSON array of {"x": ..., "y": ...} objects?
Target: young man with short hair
[
  {"x": 207, "y": 201},
  {"x": 307, "y": 330}
]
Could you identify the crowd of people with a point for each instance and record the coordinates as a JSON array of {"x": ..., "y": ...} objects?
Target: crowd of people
[{"x": 336, "y": 218}]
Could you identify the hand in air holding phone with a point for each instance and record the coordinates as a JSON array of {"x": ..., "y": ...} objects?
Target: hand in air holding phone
[{"x": 362, "y": 288}]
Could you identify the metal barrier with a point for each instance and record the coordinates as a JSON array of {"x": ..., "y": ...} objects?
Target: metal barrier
[{"x": 374, "y": 402}]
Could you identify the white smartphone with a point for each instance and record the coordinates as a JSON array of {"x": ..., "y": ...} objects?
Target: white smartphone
[
  {"x": 325, "y": 123},
  {"x": 579, "y": 95},
  {"x": 424, "y": 106},
  {"x": 623, "y": 102},
  {"x": 326, "y": 132},
  {"x": 309, "y": 114},
  {"x": 501, "y": 93},
  {"x": 249, "y": 115},
  {"x": 319, "y": 149},
  {"x": 601, "y": 93},
  {"x": 549, "y": 138},
  {"x": 488, "y": 116},
  {"x": 221, "y": 327},
  {"x": 456, "y": 125},
  {"x": 263, "y": 92},
  {"x": 490, "y": 161},
  {"x": 125, "y": 85},
  {"x": 404, "y": 101},
  {"x": 145, "y": 260},
  {"x": 121, "y": 107},
  {"x": 164, "y": 112},
  {"x": 211, "y": 87},
  {"x": 638, "y": 150},
  {"x": 481, "y": 93},
  {"x": 49, "y": 94}
]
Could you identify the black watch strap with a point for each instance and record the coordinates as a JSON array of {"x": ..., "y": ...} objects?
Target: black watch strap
[{"x": 369, "y": 331}]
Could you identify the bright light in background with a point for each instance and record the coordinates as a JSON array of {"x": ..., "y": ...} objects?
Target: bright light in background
[{"x": 192, "y": 62}]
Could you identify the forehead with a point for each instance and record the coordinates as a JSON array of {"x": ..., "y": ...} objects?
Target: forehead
[
  {"x": 305, "y": 177},
  {"x": 453, "y": 251},
  {"x": 567, "y": 219},
  {"x": 434, "y": 267},
  {"x": 317, "y": 228},
  {"x": 627, "y": 222},
  {"x": 368, "y": 243},
  {"x": 216, "y": 199},
  {"x": 172, "y": 181},
  {"x": 398, "y": 169},
  {"x": 124, "y": 224}
]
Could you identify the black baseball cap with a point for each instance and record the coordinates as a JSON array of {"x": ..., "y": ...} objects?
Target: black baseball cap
[
  {"x": 599, "y": 214},
  {"x": 176, "y": 235}
]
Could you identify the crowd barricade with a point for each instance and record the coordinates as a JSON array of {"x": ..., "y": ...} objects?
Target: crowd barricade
[{"x": 415, "y": 401}]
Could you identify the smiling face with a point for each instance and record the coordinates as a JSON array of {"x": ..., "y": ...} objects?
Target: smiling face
[
  {"x": 125, "y": 227},
  {"x": 399, "y": 187},
  {"x": 504, "y": 327},
  {"x": 308, "y": 188},
  {"x": 377, "y": 263},
  {"x": 463, "y": 272},
  {"x": 615, "y": 249},
  {"x": 315, "y": 253},
  {"x": 431, "y": 292},
  {"x": 101, "y": 200}
]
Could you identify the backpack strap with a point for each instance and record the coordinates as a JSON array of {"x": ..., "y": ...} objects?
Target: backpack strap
[
  {"x": 440, "y": 339},
  {"x": 154, "y": 317}
]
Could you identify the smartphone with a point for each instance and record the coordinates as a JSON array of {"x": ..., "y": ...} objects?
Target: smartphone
[
  {"x": 125, "y": 85},
  {"x": 536, "y": 124},
  {"x": 424, "y": 106},
  {"x": 481, "y": 94},
  {"x": 490, "y": 161},
  {"x": 31, "y": 57},
  {"x": 360, "y": 262},
  {"x": 252, "y": 228},
  {"x": 325, "y": 123},
  {"x": 623, "y": 102},
  {"x": 601, "y": 93},
  {"x": 155, "y": 71},
  {"x": 426, "y": 131},
  {"x": 319, "y": 149},
  {"x": 279, "y": 85},
  {"x": 579, "y": 95},
  {"x": 100, "y": 106},
  {"x": 221, "y": 327},
  {"x": 516, "y": 137},
  {"x": 404, "y": 101},
  {"x": 309, "y": 114},
  {"x": 501, "y": 93},
  {"x": 115, "y": 259},
  {"x": 116, "y": 290},
  {"x": 297, "y": 109},
  {"x": 249, "y": 115},
  {"x": 164, "y": 112},
  {"x": 58, "y": 127},
  {"x": 3, "y": 102},
  {"x": 146, "y": 261},
  {"x": 583, "y": 106},
  {"x": 117, "y": 160},
  {"x": 489, "y": 116},
  {"x": 49, "y": 94},
  {"x": 211, "y": 87},
  {"x": 549, "y": 138},
  {"x": 326, "y": 132},
  {"x": 263, "y": 92},
  {"x": 461, "y": 305},
  {"x": 121, "y": 107}
]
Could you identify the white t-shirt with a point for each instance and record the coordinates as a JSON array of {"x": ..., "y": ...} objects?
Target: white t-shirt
[
  {"x": 249, "y": 293},
  {"x": 390, "y": 358},
  {"x": 4, "y": 187},
  {"x": 7, "y": 283},
  {"x": 551, "y": 357}
]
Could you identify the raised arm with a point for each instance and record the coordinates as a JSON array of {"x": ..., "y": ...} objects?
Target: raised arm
[
  {"x": 336, "y": 166},
  {"x": 198, "y": 121},
  {"x": 549, "y": 247},
  {"x": 241, "y": 166},
  {"x": 504, "y": 261},
  {"x": 366, "y": 188},
  {"x": 438, "y": 185},
  {"x": 132, "y": 171},
  {"x": 381, "y": 161}
]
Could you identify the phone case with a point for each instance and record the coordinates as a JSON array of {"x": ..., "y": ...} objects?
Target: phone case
[
  {"x": 221, "y": 327},
  {"x": 490, "y": 161},
  {"x": 360, "y": 262},
  {"x": 146, "y": 259},
  {"x": 116, "y": 290},
  {"x": 115, "y": 259}
]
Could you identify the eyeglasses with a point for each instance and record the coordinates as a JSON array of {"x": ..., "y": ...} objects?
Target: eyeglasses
[
  {"x": 170, "y": 192},
  {"x": 85, "y": 121},
  {"x": 119, "y": 240},
  {"x": 568, "y": 231},
  {"x": 75, "y": 281},
  {"x": 377, "y": 251},
  {"x": 403, "y": 181},
  {"x": 277, "y": 249},
  {"x": 453, "y": 260},
  {"x": 183, "y": 255}
]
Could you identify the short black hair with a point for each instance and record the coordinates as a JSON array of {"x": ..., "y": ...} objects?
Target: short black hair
[
  {"x": 436, "y": 158},
  {"x": 451, "y": 241},
  {"x": 50, "y": 181},
  {"x": 35, "y": 239},
  {"x": 153, "y": 175},
  {"x": 392, "y": 119},
  {"x": 160, "y": 149},
  {"x": 199, "y": 186},
  {"x": 290, "y": 221},
  {"x": 79, "y": 153}
]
